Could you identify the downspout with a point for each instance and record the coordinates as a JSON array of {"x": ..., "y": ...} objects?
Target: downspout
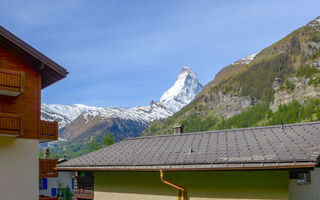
[{"x": 182, "y": 191}]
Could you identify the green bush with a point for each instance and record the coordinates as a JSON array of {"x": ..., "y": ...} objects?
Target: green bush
[
  {"x": 262, "y": 115},
  {"x": 195, "y": 124},
  {"x": 306, "y": 71},
  {"x": 288, "y": 85},
  {"x": 315, "y": 81},
  {"x": 287, "y": 114},
  {"x": 318, "y": 113},
  {"x": 315, "y": 55}
]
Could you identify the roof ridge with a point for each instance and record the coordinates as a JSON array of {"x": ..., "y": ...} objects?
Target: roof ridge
[
  {"x": 224, "y": 130},
  {"x": 30, "y": 49}
]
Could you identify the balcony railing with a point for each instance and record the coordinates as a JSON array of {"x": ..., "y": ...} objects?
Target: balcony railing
[
  {"x": 47, "y": 168},
  {"x": 83, "y": 194},
  {"x": 47, "y": 198},
  {"x": 11, "y": 82},
  {"x": 48, "y": 131},
  {"x": 10, "y": 124},
  {"x": 83, "y": 188}
]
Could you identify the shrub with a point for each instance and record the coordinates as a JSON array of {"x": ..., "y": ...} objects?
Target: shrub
[{"x": 306, "y": 71}]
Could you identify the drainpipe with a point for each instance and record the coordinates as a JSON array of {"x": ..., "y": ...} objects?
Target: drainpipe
[{"x": 182, "y": 191}]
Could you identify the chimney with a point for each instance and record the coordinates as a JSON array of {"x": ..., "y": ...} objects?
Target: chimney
[
  {"x": 47, "y": 153},
  {"x": 178, "y": 129}
]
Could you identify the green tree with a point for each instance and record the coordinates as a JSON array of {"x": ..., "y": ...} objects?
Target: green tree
[
  {"x": 318, "y": 112},
  {"x": 307, "y": 71},
  {"x": 94, "y": 146},
  {"x": 288, "y": 114},
  {"x": 108, "y": 139}
]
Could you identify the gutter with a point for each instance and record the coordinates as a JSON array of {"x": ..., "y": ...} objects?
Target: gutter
[
  {"x": 182, "y": 191},
  {"x": 222, "y": 167}
]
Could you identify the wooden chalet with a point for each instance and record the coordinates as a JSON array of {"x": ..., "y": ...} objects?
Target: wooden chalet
[{"x": 24, "y": 72}]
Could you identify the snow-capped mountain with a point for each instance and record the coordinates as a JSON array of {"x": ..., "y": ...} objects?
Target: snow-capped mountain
[
  {"x": 183, "y": 91},
  {"x": 180, "y": 94},
  {"x": 62, "y": 113},
  {"x": 66, "y": 114},
  {"x": 80, "y": 124}
]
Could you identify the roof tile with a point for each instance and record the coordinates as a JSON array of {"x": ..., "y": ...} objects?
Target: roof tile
[{"x": 238, "y": 147}]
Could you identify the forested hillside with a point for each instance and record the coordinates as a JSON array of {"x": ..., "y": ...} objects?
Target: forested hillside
[{"x": 279, "y": 84}]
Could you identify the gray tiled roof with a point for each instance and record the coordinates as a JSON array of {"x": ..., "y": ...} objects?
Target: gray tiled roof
[{"x": 294, "y": 145}]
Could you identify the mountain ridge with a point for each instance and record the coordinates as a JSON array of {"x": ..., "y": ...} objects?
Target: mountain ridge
[
  {"x": 242, "y": 86},
  {"x": 180, "y": 94},
  {"x": 79, "y": 124}
]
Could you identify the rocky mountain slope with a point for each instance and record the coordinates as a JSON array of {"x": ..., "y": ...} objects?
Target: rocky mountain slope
[
  {"x": 232, "y": 69},
  {"x": 122, "y": 122},
  {"x": 179, "y": 95},
  {"x": 81, "y": 124},
  {"x": 67, "y": 114},
  {"x": 282, "y": 77}
]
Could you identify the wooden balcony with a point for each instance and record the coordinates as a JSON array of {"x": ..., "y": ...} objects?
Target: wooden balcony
[
  {"x": 48, "y": 131},
  {"x": 10, "y": 124},
  {"x": 83, "y": 194},
  {"x": 47, "y": 198},
  {"x": 47, "y": 168},
  {"x": 11, "y": 82}
]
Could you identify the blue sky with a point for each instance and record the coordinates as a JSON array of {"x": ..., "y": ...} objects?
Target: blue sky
[{"x": 124, "y": 53}]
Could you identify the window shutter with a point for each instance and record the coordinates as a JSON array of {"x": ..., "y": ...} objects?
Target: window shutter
[
  {"x": 45, "y": 183},
  {"x": 72, "y": 183},
  {"x": 54, "y": 192}
]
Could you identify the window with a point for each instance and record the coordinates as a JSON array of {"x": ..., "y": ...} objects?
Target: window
[
  {"x": 304, "y": 177},
  {"x": 43, "y": 183},
  {"x": 54, "y": 192}
]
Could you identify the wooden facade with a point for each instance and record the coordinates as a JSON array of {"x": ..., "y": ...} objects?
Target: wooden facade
[
  {"x": 48, "y": 131},
  {"x": 27, "y": 104},
  {"x": 10, "y": 124},
  {"x": 48, "y": 198},
  {"x": 11, "y": 82},
  {"x": 47, "y": 168},
  {"x": 22, "y": 74}
]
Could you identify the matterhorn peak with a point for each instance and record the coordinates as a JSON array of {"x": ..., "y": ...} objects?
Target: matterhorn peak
[
  {"x": 186, "y": 69},
  {"x": 183, "y": 91}
]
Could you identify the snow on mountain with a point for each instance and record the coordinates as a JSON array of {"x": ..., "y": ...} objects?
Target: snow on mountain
[
  {"x": 144, "y": 114},
  {"x": 62, "y": 113},
  {"x": 66, "y": 114},
  {"x": 245, "y": 60},
  {"x": 183, "y": 91}
]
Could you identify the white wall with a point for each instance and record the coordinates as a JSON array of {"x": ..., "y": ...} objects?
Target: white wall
[
  {"x": 19, "y": 168},
  {"x": 309, "y": 191},
  {"x": 64, "y": 177}
]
